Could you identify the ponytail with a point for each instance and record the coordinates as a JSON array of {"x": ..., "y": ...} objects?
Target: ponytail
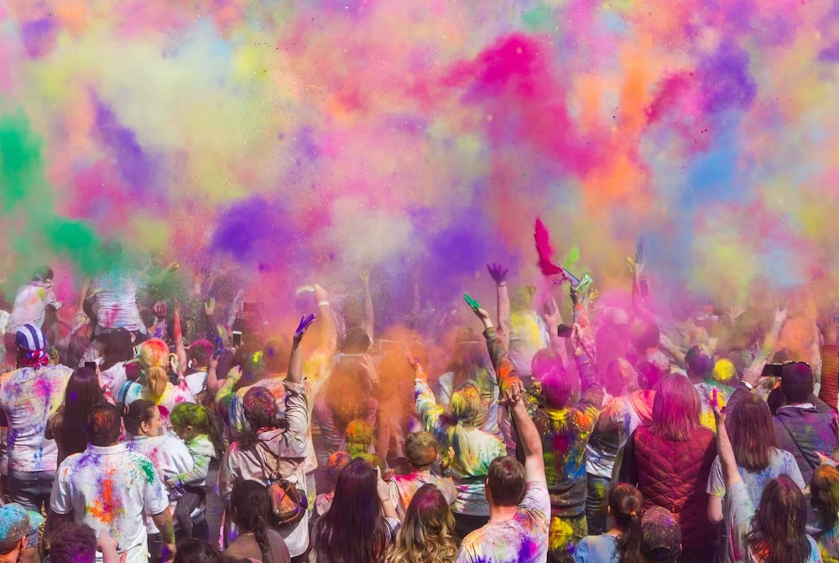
[
  {"x": 626, "y": 504},
  {"x": 156, "y": 381},
  {"x": 251, "y": 507}
]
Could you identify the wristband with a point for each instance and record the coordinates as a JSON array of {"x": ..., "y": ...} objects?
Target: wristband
[
  {"x": 323, "y": 303},
  {"x": 749, "y": 386},
  {"x": 502, "y": 285}
]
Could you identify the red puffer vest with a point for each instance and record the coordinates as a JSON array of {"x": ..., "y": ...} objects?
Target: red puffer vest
[{"x": 674, "y": 475}]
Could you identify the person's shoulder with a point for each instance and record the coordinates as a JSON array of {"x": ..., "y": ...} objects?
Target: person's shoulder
[{"x": 536, "y": 498}]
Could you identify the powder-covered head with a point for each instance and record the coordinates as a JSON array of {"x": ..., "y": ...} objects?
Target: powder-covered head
[
  {"x": 32, "y": 347},
  {"x": 421, "y": 449},
  {"x": 200, "y": 352},
  {"x": 465, "y": 404},
  {"x": 359, "y": 432},
  {"x": 336, "y": 463},
  {"x": 260, "y": 407},
  {"x": 154, "y": 352},
  {"x": 14, "y": 526},
  {"x": 544, "y": 361},
  {"x": 725, "y": 372},
  {"x": 662, "y": 535},
  {"x": 699, "y": 362},
  {"x": 797, "y": 382},
  {"x": 559, "y": 388}
]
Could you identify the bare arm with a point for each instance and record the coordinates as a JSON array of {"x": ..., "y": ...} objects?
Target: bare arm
[
  {"x": 329, "y": 335},
  {"x": 295, "y": 363},
  {"x": 163, "y": 522},
  {"x": 531, "y": 443},
  {"x": 368, "y": 305},
  {"x": 180, "y": 351},
  {"x": 726, "y": 452},
  {"x": 499, "y": 274}
]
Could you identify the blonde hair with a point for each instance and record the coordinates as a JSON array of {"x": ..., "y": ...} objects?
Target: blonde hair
[
  {"x": 466, "y": 404},
  {"x": 154, "y": 359},
  {"x": 427, "y": 535}
]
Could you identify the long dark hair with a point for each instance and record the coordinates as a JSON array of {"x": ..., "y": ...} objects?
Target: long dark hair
[
  {"x": 252, "y": 508},
  {"x": 778, "y": 531},
  {"x": 626, "y": 504},
  {"x": 353, "y": 530},
  {"x": 752, "y": 433},
  {"x": 81, "y": 394}
]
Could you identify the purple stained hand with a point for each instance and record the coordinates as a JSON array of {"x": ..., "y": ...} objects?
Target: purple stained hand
[
  {"x": 305, "y": 321},
  {"x": 498, "y": 272}
]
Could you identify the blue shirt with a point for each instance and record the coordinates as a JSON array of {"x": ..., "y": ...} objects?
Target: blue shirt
[{"x": 597, "y": 548}]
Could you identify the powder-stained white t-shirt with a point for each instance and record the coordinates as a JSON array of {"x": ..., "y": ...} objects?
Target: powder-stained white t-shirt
[
  {"x": 28, "y": 396},
  {"x": 110, "y": 489}
]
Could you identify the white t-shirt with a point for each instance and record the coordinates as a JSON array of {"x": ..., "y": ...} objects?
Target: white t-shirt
[
  {"x": 170, "y": 457},
  {"x": 524, "y": 538},
  {"x": 114, "y": 378},
  {"x": 116, "y": 296},
  {"x": 110, "y": 489},
  {"x": 172, "y": 396},
  {"x": 28, "y": 396},
  {"x": 30, "y": 306},
  {"x": 196, "y": 382}
]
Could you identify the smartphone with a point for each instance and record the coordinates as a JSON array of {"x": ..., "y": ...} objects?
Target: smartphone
[
  {"x": 91, "y": 365},
  {"x": 237, "y": 339},
  {"x": 564, "y": 331},
  {"x": 775, "y": 370},
  {"x": 644, "y": 287}
]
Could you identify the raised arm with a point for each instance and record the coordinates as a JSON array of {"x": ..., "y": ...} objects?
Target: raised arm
[
  {"x": 530, "y": 441},
  {"x": 180, "y": 351},
  {"x": 430, "y": 413},
  {"x": 508, "y": 379},
  {"x": 295, "y": 363},
  {"x": 730, "y": 473},
  {"x": 329, "y": 334},
  {"x": 368, "y": 305},
  {"x": 499, "y": 274}
]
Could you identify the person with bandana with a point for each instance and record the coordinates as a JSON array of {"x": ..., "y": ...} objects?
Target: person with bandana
[{"x": 28, "y": 397}]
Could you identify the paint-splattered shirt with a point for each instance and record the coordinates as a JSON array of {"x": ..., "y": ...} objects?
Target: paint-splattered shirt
[
  {"x": 28, "y": 397},
  {"x": 172, "y": 396},
  {"x": 565, "y": 432},
  {"x": 826, "y": 538},
  {"x": 524, "y": 538},
  {"x": 403, "y": 488},
  {"x": 485, "y": 381},
  {"x": 597, "y": 548},
  {"x": 705, "y": 390},
  {"x": 31, "y": 304},
  {"x": 781, "y": 463},
  {"x": 169, "y": 456},
  {"x": 110, "y": 489},
  {"x": 116, "y": 296},
  {"x": 528, "y": 335},
  {"x": 474, "y": 450}
]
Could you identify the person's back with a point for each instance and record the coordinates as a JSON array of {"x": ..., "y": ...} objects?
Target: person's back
[
  {"x": 32, "y": 300},
  {"x": 519, "y": 503},
  {"x": 801, "y": 429},
  {"x": 116, "y": 298},
  {"x": 110, "y": 488},
  {"x": 422, "y": 451},
  {"x": 670, "y": 461}
]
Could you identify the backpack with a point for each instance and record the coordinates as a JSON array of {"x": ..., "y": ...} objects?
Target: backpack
[{"x": 288, "y": 502}]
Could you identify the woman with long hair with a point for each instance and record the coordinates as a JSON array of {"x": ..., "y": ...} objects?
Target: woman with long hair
[
  {"x": 670, "y": 460},
  {"x": 154, "y": 384},
  {"x": 250, "y": 510},
  {"x": 362, "y": 520},
  {"x": 772, "y": 531},
  {"x": 621, "y": 543},
  {"x": 824, "y": 519},
  {"x": 67, "y": 423},
  {"x": 427, "y": 534},
  {"x": 759, "y": 459}
]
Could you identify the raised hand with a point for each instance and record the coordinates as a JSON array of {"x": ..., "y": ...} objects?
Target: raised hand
[
  {"x": 210, "y": 306},
  {"x": 498, "y": 273},
  {"x": 320, "y": 294},
  {"x": 305, "y": 322},
  {"x": 365, "y": 277}
]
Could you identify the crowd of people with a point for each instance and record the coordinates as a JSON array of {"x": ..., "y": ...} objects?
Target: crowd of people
[{"x": 178, "y": 425}]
